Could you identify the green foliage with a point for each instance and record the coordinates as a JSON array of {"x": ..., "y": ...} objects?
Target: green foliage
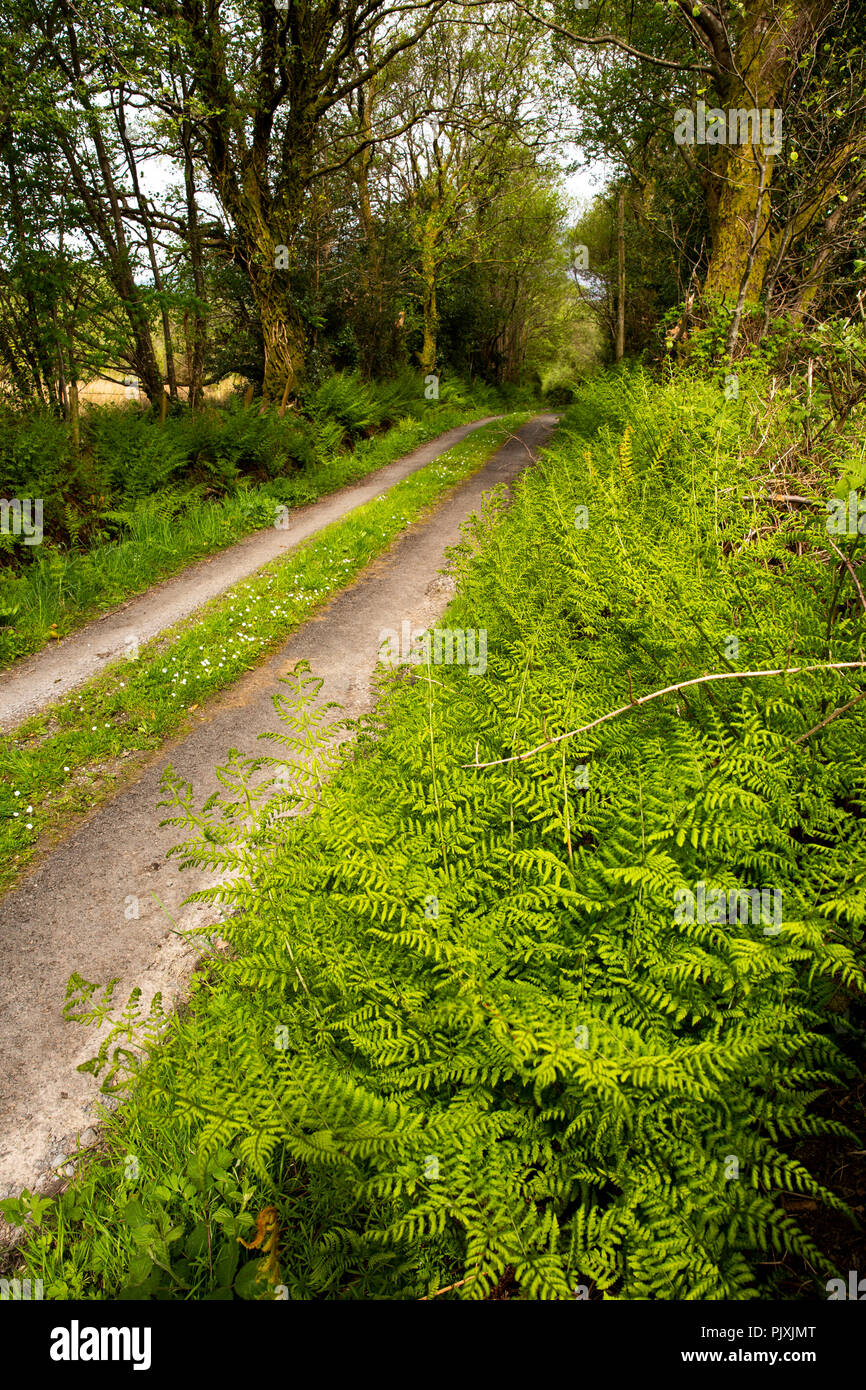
[
  {"x": 460, "y": 1033},
  {"x": 126, "y": 456},
  {"x": 62, "y": 760},
  {"x": 347, "y": 401},
  {"x": 166, "y": 1258},
  {"x": 132, "y": 456}
]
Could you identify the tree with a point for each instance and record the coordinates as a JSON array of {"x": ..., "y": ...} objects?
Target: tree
[
  {"x": 454, "y": 166},
  {"x": 737, "y": 91},
  {"x": 264, "y": 81}
]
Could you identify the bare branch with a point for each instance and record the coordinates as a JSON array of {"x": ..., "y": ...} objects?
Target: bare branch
[
  {"x": 668, "y": 690},
  {"x": 613, "y": 40},
  {"x": 843, "y": 709}
]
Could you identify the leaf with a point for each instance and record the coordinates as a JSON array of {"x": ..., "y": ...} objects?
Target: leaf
[
  {"x": 135, "y": 1215},
  {"x": 226, "y": 1263}
]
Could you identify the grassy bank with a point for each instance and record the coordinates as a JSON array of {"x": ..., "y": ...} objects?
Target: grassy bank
[
  {"x": 64, "y": 761},
  {"x": 469, "y": 1039}
]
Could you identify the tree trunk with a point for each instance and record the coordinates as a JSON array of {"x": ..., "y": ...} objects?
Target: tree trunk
[
  {"x": 620, "y": 282},
  {"x": 34, "y": 343},
  {"x": 379, "y": 336},
  {"x": 743, "y": 214},
  {"x": 120, "y": 116},
  {"x": 74, "y": 415},
  {"x": 282, "y": 331},
  {"x": 109, "y": 226},
  {"x": 197, "y": 341},
  {"x": 265, "y": 238},
  {"x": 429, "y": 304}
]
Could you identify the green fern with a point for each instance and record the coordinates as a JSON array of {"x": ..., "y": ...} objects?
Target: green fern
[{"x": 500, "y": 1053}]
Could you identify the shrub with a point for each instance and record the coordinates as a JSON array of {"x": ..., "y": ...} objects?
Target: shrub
[{"x": 344, "y": 399}]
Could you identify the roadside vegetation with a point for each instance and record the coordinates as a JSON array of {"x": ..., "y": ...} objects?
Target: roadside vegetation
[{"x": 460, "y": 1041}]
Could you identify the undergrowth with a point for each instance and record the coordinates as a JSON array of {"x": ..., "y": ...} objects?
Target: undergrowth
[
  {"x": 69, "y": 757},
  {"x": 462, "y": 1034}
]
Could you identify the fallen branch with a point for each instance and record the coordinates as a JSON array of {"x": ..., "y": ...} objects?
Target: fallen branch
[
  {"x": 778, "y": 497},
  {"x": 668, "y": 690},
  {"x": 851, "y": 570}
]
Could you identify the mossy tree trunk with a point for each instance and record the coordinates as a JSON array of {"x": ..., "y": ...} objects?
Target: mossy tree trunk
[
  {"x": 753, "y": 76},
  {"x": 430, "y": 256},
  {"x": 259, "y": 123}
]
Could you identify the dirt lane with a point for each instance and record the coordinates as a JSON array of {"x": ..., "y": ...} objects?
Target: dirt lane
[
  {"x": 70, "y": 913},
  {"x": 47, "y": 675}
]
